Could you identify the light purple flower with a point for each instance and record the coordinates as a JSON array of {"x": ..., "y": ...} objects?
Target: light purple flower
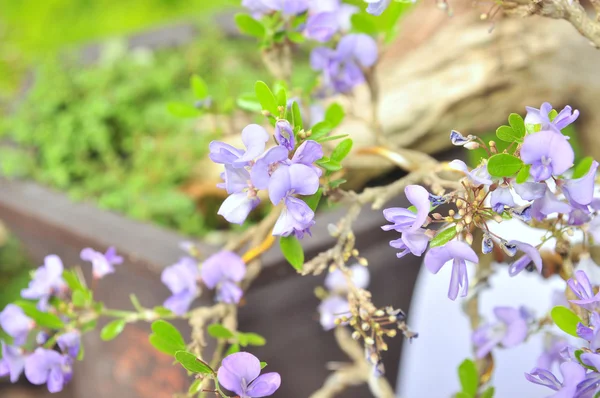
[
  {"x": 12, "y": 362},
  {"x": 254, "y": 138},
  {"x": 240, "y": 373},
  {"x": 590, "y": 386},
  {"x": 530, "y": 190},
  {"x": 266, "y": 165},
  {"x": 332, "y": 308},
  {"x": 459, "y": 252},
  {"x": 284, "y": 134},
  {"x": 336, "y": 280},
  {"x": 530, "y": 254},
  {"x": 547, "y": 205},
  {"x": 15, "y": 323},
  {"x": 243, "y": 195},
  {"x": 377, "y": 7},
  {"x": 296, "y": 217},
  {"x": 342, "y": 67},
  {"x": 541, "y": 117},
  {"x": 553, "y": 346},
  {"x": 307, "y": 154},
  {"x": 411, "y": 242},
  {"x": 572, "y": 373},
  {"x": 48, "y": 367},
  {"x": 70, "y": 343},
  {"x": 548, "y": 153},
  {"x": 47, "y": 281},
  {"x": 102, "y": 264},
  {"x": 511, "y": 330},
  {"x": 458, "y": 139},
  {"x": 592, "y": 335},
  {"x": 256, "y": 7},
  {"x": 580, "y": 191},
  {"x": 322, "y": 26},
  {"x": 405, "y": 220},
  {"x": 478, "y": 175},
  {"x": 182, "y": 279},
  {"x": 223, "y": 271},
  {"x": 582, "y": 288},
  {"x": 501, "y": 197}
]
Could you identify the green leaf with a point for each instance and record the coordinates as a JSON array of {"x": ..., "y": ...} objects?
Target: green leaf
[
  {"x": 443, "y": 237},
  {"x": 81, "y": 353},
  {"x": 577, "y": 354},
  {"x": 195, "y": 387},
  {"x": 334, "y": 114},
  {"x": 504, "y": 165},
  {"x": 506, "y": 133},
  {"x": 219, "y": 331},
  {"x": 297, "y": 117},
  {"x": 296, "y": 37},
  {"x": 488, "y": 393},
  {"x": 168, "y": 332},
  {"x": 282, "y": 98},
  {"x": 329, "y": 164},
  {"x": 523, "y": 174},
  {"x": 233, "y": 349},
  {"x": 583, "y": 167},
  {"x": 162, "y": 311},
  {"x": 182, "y": 110},
  {"x": 292, "y": 251},
  {"x": 336, "y": 183},
  {"x": 565, "y": 319},
  {"x": 82, "y": 298},
  {"x": 248, "y": 102},
  {"x": 342, "y": 150},
  {"x": 266, "y": 98},
  {"x": 112, "y": 329},
  {"x": 255, "y": 339},
  {"x": 320, "y": 130},
  {"x": 250, "y": 26},
  {"x": 199, "y": 87},
  {"x": 192, "y": 363},
  {"x": 43, "y": 319},
  {"x": 313, "y": 200},
  {"x": 467, "y": 373},
  {"x": 332, "y": 138},
  {"x": 363, "y": 23},
  {"x": 518, "y": 125},
  {"x": 72, "y": 280},
  {"x": 463, "y": 395},
  {"x": 165, "y": 346},
  {"x": 263, "y": 365}
]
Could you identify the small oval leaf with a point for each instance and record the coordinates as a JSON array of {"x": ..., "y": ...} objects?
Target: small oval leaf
[
  {"x": 292, "y": 251},
  {"x": 443, "y": 237},
  {"x": 112, "y": 329},
  {"x": 565, "y": 319},
  {"x": 504, "y": 165},
  {"x": 192, "y": 363}
]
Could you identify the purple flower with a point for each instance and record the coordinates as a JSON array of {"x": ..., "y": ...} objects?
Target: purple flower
[
  {"x": 580, "y": 191},
  {"x": 548, "y": 204},
  {"x": 224, "y": 270},
  {"x": 322, "y": 26},
  {"x": 182, "y": 279},
  {"x": 459, "y": 252},
  {"x": 336, "y": 280},
  {"x": 541, "y": 117},
  {"x": 12, "y": 362},
  {"x": 330, "y": 309},
  {"x": 511, "y": 330},
  {"x": 70, "y": 343},
  {"x": 590, "y": 386},
  {"x": 548, "y": 153},
  {"x": 530, "y": 254},
  {"x": 47, "y": 281},
  {"x": 240, "y": 373},
  {"x": 530, "y": 190},
  {"x": 552, "y": 352},
  {"x": 582, "y": 288},
  {"x": 254, "y": 138},
  {"x": 296, "y": 217},
  {"x": 256, "y": 7},
  {"x": 405, "y": 220},
  {"x": 458, "y": 139},
  {"x": 479, "y": 175},
  {"x": 572, "y": 373},
  {"x": 592, "y": 335},
  {"x": 377, "y": 7},
  {"x": 411, "y": 242},
  {"x": 15, "y": 323},
  {"x": 48, "y": 367},
  {"x": 342, "y": 67},
  {"x": 102, "y": 264},
  {"x": 284, "y": 134},
  {"x": 288, "y": 7},
  {"x": 243, "y": 195},
  {"x": 307, "y": 154},
  {"x": 501, "y": 197}
]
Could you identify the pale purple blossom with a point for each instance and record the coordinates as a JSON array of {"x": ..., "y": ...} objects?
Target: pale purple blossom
[
  {"x": 403, "y": 219},
  {"x": 266, "y": 165},
  {"x": 530, "y": 254},
  {"x": 548, "y": 153},
  {"x": 541, "y": 116},
  {"x": 47, "y": 281},
  {"x": 284, "y": 134},
  {"x": 530, "y": 190},
  {"x": 224, "y": 270},
  {"x": 478, "y": 175},
  {"x": 553, "y": 346},
  {"x": 547, "y": 205},
  {"x": 590, "y": 386},
  {"x": 501, "y": 197},
  {"x": 332, "y": 308},
  {"x": 509, "y": 331},
  {"x": 254, "y": 138},
  {"x": 459, "y": 140},
  {"x": 307, "y": 154},
  {"x": 70, "y": 343},
  {"x": 182, "y": 279},
  {"x": 240, "y": 373},
  {"x": 377, "y": 7},
  {"x": 322, "y": 26},
  {"x": 102, "y": 264},
  {"x": 257, "y": 7},
  {"x": 288, "y": 7},
  {"x": 15, "y": 323},
  {"x": 459, "y": 252},
  {"x": 12, "y": 362},
  {"x": 582, "y": 288},
  {"x": 572, "y": 373},
  {"x": 411, "y": 242},
  {"x": 591, "y": 334},
  {"x": 336, "y": 280},
  {"x": 48, "y": 367},
  {"x": 580, "y": 191}
]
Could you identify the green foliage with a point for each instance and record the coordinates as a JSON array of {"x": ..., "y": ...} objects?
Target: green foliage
[
  {"x": 192, "y": 363},
  {"x": 104, "y": 132},
  {"x": 583, "y": 167},
  {"x": 249, "y": 26},
  {"x": 334, "y": 114},
  {"x": 266, "y": 98},
  {"x": 504, "y": 165},
  {"x": 443, "y": 237},
  {"x": 166, "y": 338},
  {"x": 219, "y": 331},
  {"x": 292, "y": 251},
  {"x": 523, "y": 174},
  {"x": 112, "y": 329},
  {"x": 43, "y": 319},
  {"x": 565, "y": 319},
  {"x": 341, "y": 150},
  {"x": 468, "y": 376}
]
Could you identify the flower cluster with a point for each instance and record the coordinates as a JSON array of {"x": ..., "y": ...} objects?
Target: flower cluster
[{"x": 285, "y": 171}]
